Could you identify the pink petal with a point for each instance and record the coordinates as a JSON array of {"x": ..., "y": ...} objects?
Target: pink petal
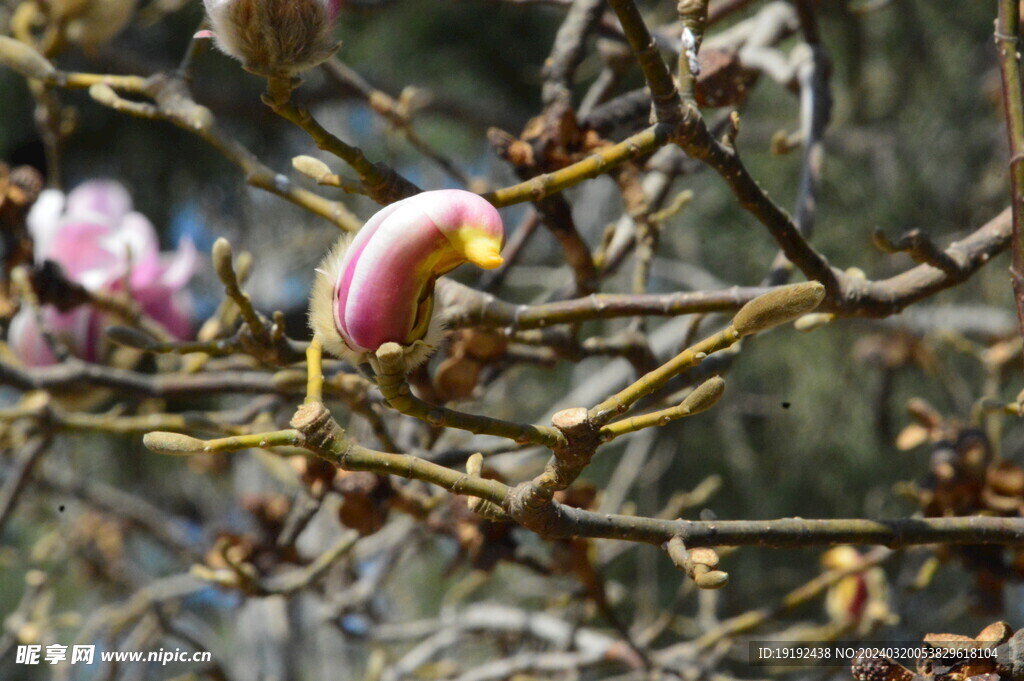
[
  {"x": 179, "y": 267},
  {"x": 452, "y": 209},
  {"x": 107, "y": 200},
  {"x": 134, "y": 240},
  {"x": 26, "y": 342},
  {"x": 168, "y": 307},
  {"x": 383, "y": 282},
  {"x": 394, "y": 258},
  {"x": 79, "y": 249},
  {"x": 95, "y": 236},
  {"x": 80, "y": 329},
  {"x": 44, "y": 221}
]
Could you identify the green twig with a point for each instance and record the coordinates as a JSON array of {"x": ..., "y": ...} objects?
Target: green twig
[
  {"x": 381, "y": 182},
  {"x": 398, "y": 395},
  {"x": 667, "y": 105},
  {"x": 599, "y": 162}
]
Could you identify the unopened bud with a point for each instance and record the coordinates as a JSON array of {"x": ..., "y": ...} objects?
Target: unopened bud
[
  {"x": 104, "y": 94},
  {"x": 222, "y": 260},
  {"x": 23, "y": 59},
  {"x": 475, "y": 465},
  {"x": 705, "y": 395},
  {"x": 813, "y": 321},
  {"x": 378, "y": 287},
  {"x": 313, "y": 168},
  {"x": 275, "y": 38},
  {"x": 172, "y": 444},
  {"x": 778, "y": 307},
  {"x": 714, "y": 579}
]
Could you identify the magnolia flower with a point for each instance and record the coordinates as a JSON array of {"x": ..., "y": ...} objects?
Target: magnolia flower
[
  {"x": 99, "y": 242},
  {"x": 274, "y": 38},
  {"x": 378, "y": 287}
]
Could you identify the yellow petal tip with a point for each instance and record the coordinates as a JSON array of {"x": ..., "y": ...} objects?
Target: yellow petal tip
[{"x": 483, "y": 252}]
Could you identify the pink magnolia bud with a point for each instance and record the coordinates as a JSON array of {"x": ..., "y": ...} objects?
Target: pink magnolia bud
[
  {"x": 275, "y": 38},
  {"x": 378, "y": 287},
  {"x": 99, "y": 242}
]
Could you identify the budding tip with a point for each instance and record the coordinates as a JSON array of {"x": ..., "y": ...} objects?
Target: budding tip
[
  {"x": 104, "y": 94},
  {"x": 714, "y": 579},
  {"x": 311, "y": 167},
  {"x": 814, "y": 320},
  {"x": 279, "y": 40},
  {"x": 489, "y": 261},
  {"x": 172, "y": 444},
  {"x": 777, "y": 307},
  {"x": 23, "y": 59},
  {"x": 222, "y": 258},
  {"x": 221, "y": 248},
  {"x": 484, "y": 252},
  {"x": 704, "y": 396}
]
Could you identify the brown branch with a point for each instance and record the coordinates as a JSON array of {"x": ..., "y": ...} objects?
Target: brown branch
[
  {"x": 19, "y": 474},
  {"x": 381, "y": 182},
  {"x": 1007, "y": 37},
  {"x": 318, "y": 432},
  {"x": 394, "y": 111},
  {"x": 851, "y": 297},
  {"x": 918, "y": 245},
  {"x": 567, "y": 51},
  {"x": 697, "y": 141},
  {"x": 864, "y": 298},
  {"x": 692, "y": 134},
  {"x": 556, "y": 214},
  {"x": 563, "y": 521},
  {"x": 468, "y": 307},
  {"x": 75, "y": 374},
  {"x": 667, "y": 105}
]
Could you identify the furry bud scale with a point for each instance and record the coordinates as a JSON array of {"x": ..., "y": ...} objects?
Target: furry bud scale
[{"x": 275, "y": 38}]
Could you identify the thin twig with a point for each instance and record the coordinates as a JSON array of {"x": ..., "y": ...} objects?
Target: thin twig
[
  {"x": 1007, "y": 37},
  {"x": 18, "y": 475}
]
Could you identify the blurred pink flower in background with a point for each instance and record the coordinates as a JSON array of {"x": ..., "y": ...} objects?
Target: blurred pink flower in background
[{"x": 99, "y": 242}]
